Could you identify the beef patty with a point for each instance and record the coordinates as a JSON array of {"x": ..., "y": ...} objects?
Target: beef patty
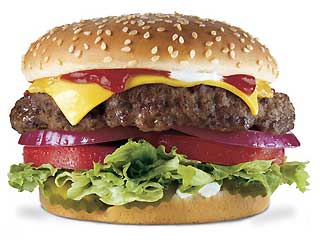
[{"x": 159, "y": 107}]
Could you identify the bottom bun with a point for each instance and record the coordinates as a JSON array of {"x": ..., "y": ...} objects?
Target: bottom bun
[{"x": 174, "y": 210}]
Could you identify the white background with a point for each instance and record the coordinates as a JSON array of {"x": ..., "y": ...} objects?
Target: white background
[{"x": 289, "y": 28}]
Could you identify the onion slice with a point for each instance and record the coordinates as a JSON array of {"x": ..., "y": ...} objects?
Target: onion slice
[
  {"x": 74, "y": 138},
  {"x": 247, "y": 138}
]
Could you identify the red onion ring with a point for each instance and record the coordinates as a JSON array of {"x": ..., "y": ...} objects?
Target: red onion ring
[
  {"x": 247, "y": 138},
  {"x": 74, "y": 138}
]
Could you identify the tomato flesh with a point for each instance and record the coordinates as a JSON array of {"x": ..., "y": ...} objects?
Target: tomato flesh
[
  {"x": 207, "y": 151},
  {"x": 195, "y": 148},
  {"x": 75, "y": 157}
]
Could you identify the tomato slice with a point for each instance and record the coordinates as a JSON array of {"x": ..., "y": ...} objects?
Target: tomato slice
[
  {"x": 75, "y": 157},
  {"x": 207, "y": 151}
]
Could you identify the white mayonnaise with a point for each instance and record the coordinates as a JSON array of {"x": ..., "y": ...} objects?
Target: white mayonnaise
[
  {"x": 209, "y": 190},
  {"x": 206, "y": 191},
  {"x": 183, "y": 195},
  {"x": 191, "y": 76}
]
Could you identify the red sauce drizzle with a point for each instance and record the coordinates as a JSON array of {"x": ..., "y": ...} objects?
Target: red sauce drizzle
[
  {"x": 115, "y": 79},
  {"x": 111, "y": 79},
  {"x": 245, "y": 83}
]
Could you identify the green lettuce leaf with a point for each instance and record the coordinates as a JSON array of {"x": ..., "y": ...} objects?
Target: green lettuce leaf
[
  {"x": 138, "y": 171},
  {"x": 294, "y": 172},
  {"x": 24, "y": 177}
]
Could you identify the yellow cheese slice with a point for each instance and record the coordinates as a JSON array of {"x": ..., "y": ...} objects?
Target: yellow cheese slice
[
  {"x": 74, "y": 100},
  {"x": 77, "y": 99}
]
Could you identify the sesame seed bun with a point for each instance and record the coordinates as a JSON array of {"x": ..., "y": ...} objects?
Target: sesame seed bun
[
  {"x": 169, "y": 42},
  {"x": 173, "y": 210}
]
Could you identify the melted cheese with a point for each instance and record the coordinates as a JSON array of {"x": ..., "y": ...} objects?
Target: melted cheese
[{"x": 75, "y": 100}]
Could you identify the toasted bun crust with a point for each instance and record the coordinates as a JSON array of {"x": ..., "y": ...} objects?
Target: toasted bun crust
[
  {"x": 220, "y": 207},
  {"x": 171, "y": 42}
]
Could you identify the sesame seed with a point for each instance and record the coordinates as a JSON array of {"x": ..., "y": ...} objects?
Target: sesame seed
[
  {"x": 97, "y": 40},
  {"x": 146, "y": 35},
  {"x": 181, "y": 40},
  {"x": 246, "y": 50},
  {"x": 263, "y": 49},
  {"x": 218, "y": 38},
  {"x": 242, "y": 40},
  {"x": 154, "y": 50},
  {"x": 170, "y": 49},
  {"x": 178, "y": 25},
  {"x": 174, "y": 37},
  {"x": 140, "y": 24},
  {"x": 125, "y": 29},
  {"x": 155, "y": 58},
  {"x": 59, "y": 42},
  {"x": 209, "y": 43},
  {"x": 101, "y": 26},
  {"x": 78, "y": 53},
  {"x": 208, "y": 53},
  {"x": 238, "y": 64},
  {"x": 232, "y": 54},
  {"x": 54, "y": 39},
  {"x": 249, "y": 47},
  {"x": 126, "y": 49},
  {"x": 108, "y": 32},
  {"x": 151, "y": 21},
  {"x": 222, "y": 29},
  {"x": 133, "y": 22},
  {"x": 245, "y": 35},
  {"x": 215, "y": 61},
  {"x": 125, "y": 22},
  {"x": 127, "y": 42},
  {"x": 60, "y": 62},
  {"x": 232, "y": 46},
  {"x": 133, "y": 32},
  {"x": 202, "y": 25},
  {"x": 71, "y": 49},
  {"x": 225, "y": 50},
  {"x": 252, "y": 40},
  {"x": 87, "y": 33},
  {"x": 233, "y": 29},
  {"x": 77, "y": 31},
  {"x": 269, "y": 58},
  {"x": 174, "y": 54},
  {"x": 34, "y": 54},
  {"x": 237, "y": 34},
  {"x": 75, "y": 38},
  {"x": 43, "y": 51},
  {"x": 192, "y": 53},
  {"x": 103, "y": 46},
  {"x": 145, "y": 27},
  {"x": 194, "y": 35},
  {"x": 46, "y": 59},
  {"x": 213, "y": 33},
  {"x": 161, "y": 29},
  {"x": 99, "y": 32},
  {"x": 259, "y": 62},
  {"x": 85, "y": 46},
  {"x": 132, "y": 63},
  {"x": 168, "y": 21},
  {"x": 184, "y": 62},
  {"x": 107, "y": 59}
]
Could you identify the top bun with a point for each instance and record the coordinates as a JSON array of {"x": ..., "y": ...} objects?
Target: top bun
[{"x": 171, "y": 42}]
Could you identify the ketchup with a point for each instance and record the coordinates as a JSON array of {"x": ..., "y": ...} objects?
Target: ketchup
[
  {"x": 115, "y": 79},
  {"x": 111, "y": 79},
  {"x": 245, "y": 83}
]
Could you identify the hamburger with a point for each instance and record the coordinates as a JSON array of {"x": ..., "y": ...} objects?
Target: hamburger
[{"x": 153, "y": 119}]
